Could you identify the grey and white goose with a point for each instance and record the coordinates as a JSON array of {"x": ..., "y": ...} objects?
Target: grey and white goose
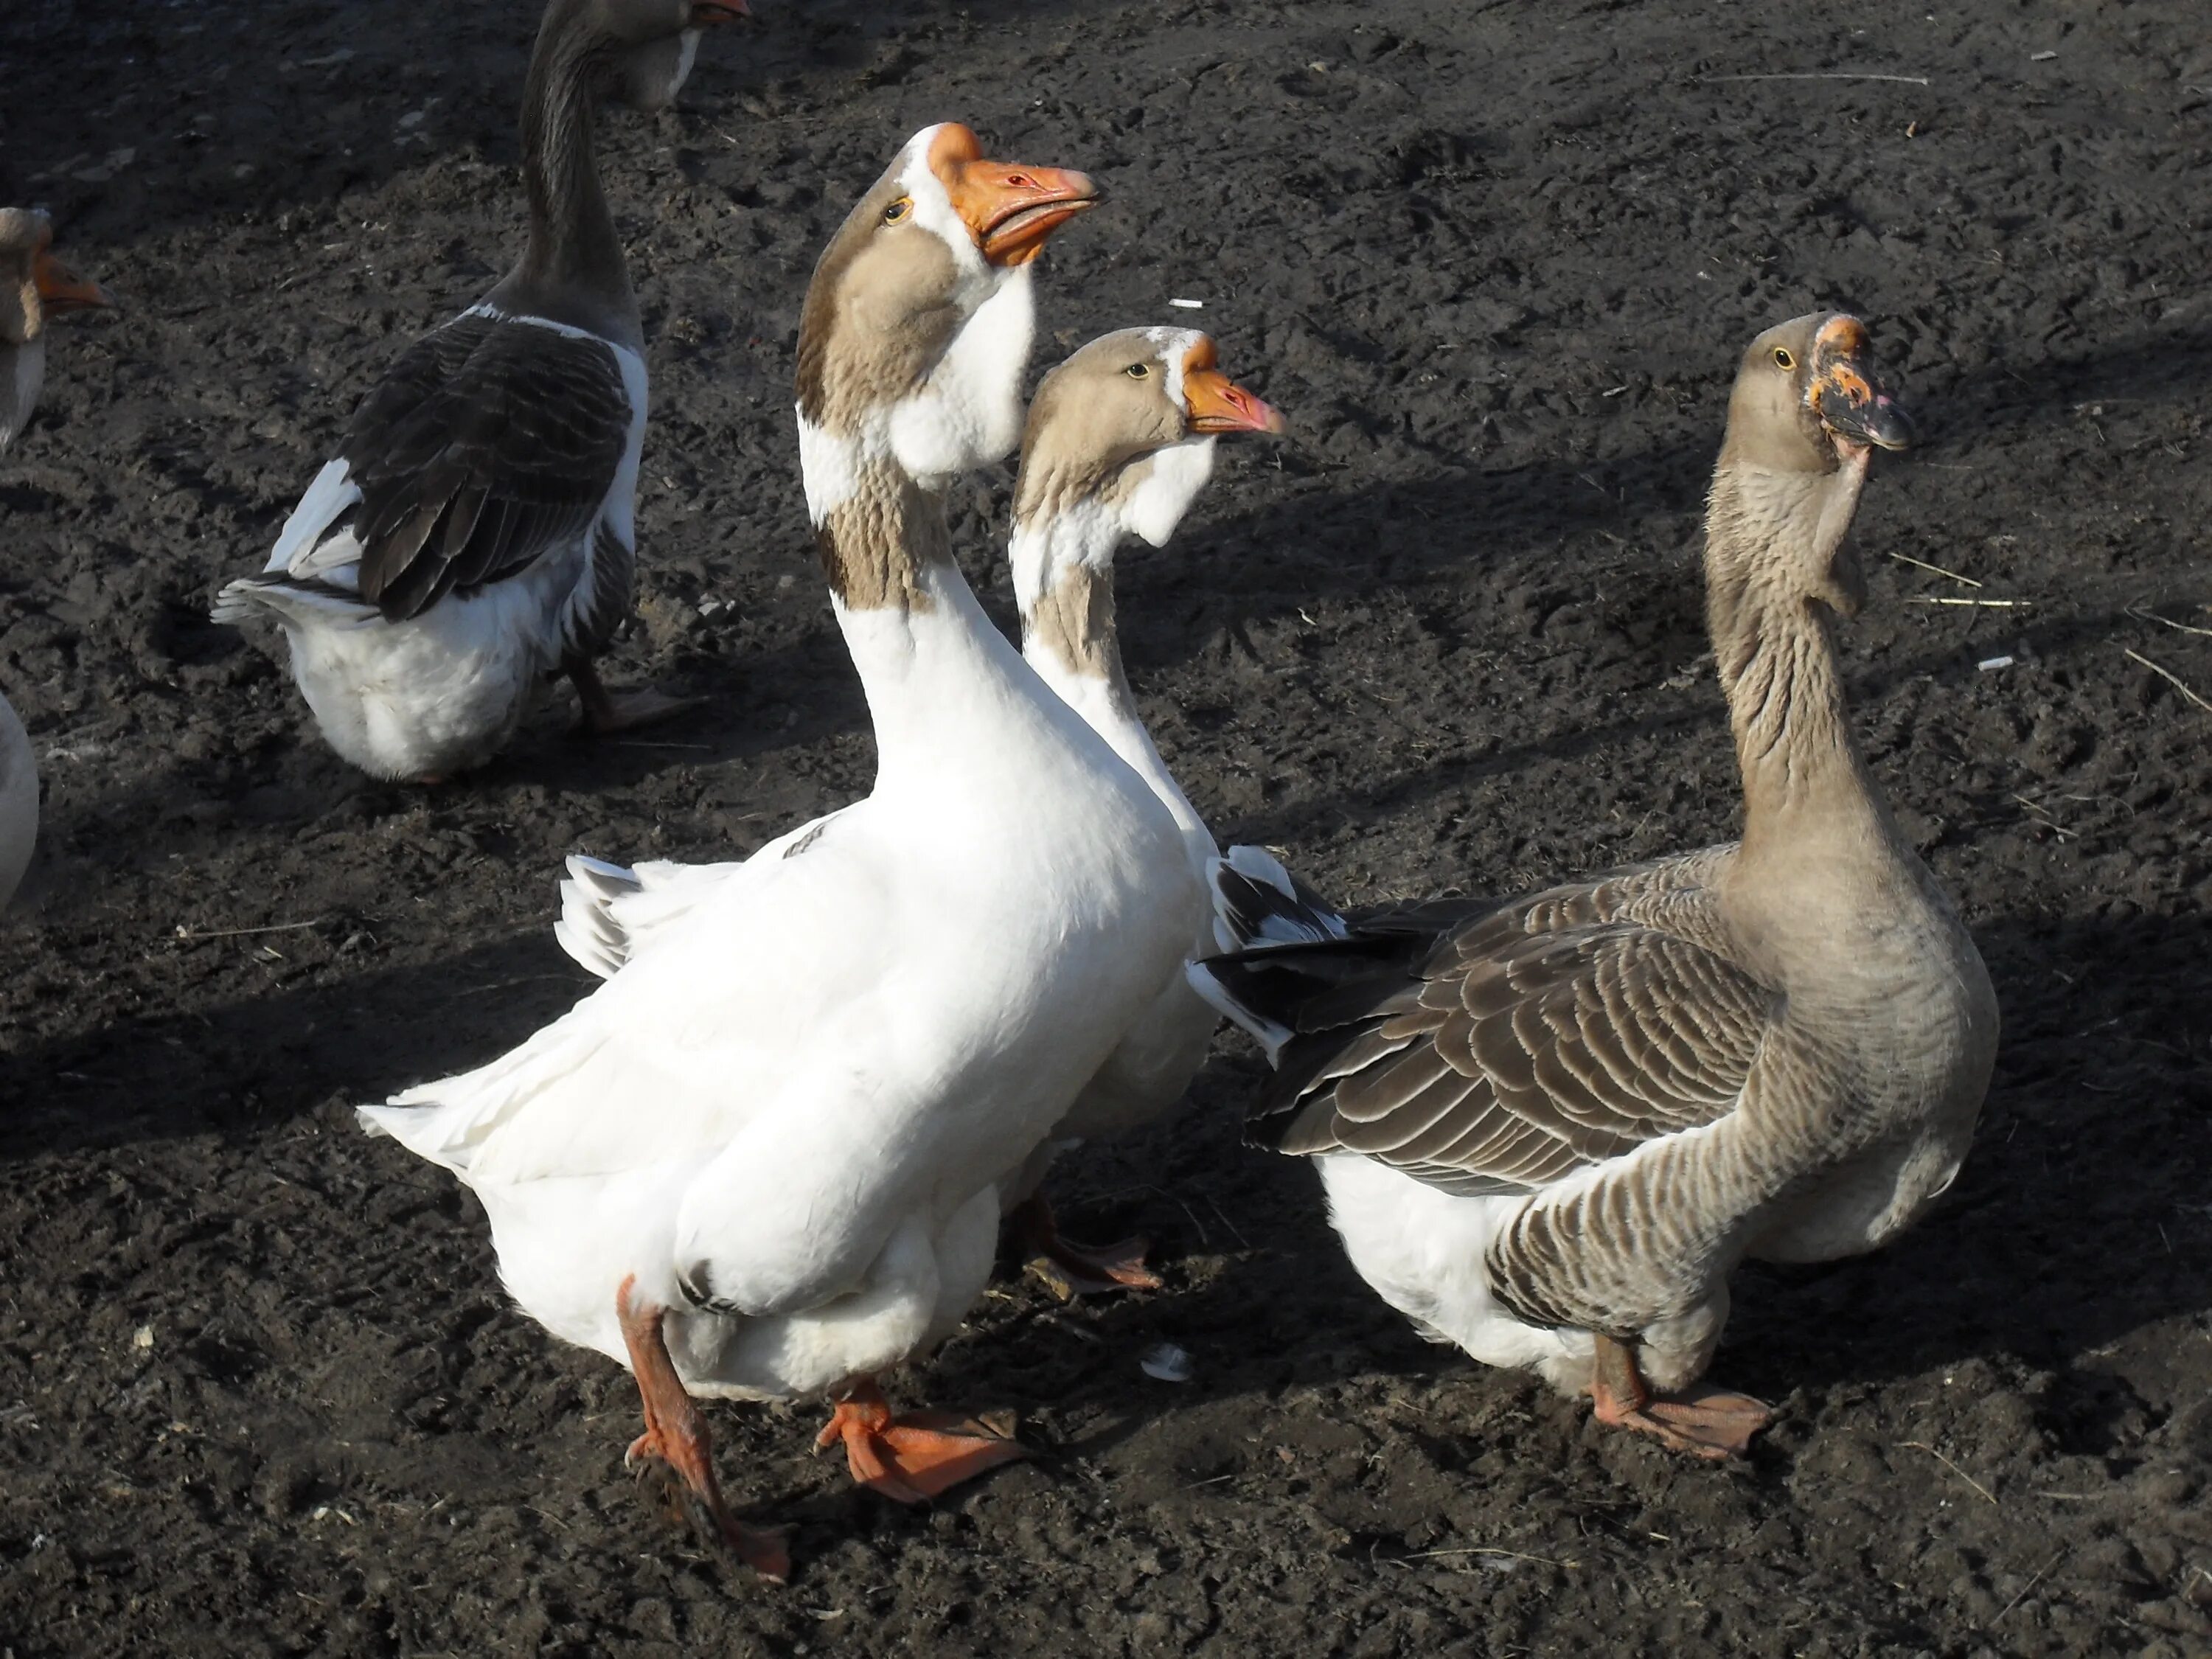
[
  {"x": 476, "y": 531},
  {"x": 35, "y": 288},
  {"x": 1119, "y": 443},
  {"x": 1550, "y": 1127}
]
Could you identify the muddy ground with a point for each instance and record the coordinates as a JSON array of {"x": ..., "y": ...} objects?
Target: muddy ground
[{"x": 259, "y": 1391}]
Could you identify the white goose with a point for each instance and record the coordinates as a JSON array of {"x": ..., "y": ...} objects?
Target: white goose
[
  {"x": 1119, "y": 443},
  {"x": 476, "y": 531},
  {"x": 35, "y": 288},
  {"x": 763, "y": 1159}
]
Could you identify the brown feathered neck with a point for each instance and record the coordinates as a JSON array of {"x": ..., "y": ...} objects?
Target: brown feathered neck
[{"x": 1776, "y": 578}]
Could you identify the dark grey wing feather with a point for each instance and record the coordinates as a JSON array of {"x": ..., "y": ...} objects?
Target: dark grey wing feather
[
  {"x": 488, "y": 443},
  {"x": 1525, "y": 1042}
]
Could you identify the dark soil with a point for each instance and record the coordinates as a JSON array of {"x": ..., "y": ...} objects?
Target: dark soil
[{"x": 259, "y": 1392}]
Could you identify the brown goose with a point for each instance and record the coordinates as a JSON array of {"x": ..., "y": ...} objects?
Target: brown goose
[
  {"x": 475, "y": 532},
  {"x": 1550, "y": 1127},
  {"x": 35, "y": 288}
]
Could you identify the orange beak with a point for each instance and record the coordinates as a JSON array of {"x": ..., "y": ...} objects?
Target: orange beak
[
  {"x": 707, "y": 13},
  {"x": 1214, "y": 403},
  {"x": 61, "y": 289},
  {"x": 1008, "y": 208}
]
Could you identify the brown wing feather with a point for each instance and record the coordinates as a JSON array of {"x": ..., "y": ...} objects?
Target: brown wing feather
[
  {"x": 1532, "y": 1042},
  {"x": 488, "y": 443}
]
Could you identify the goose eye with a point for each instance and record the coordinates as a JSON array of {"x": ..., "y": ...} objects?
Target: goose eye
[
  {"x": 1782, "y": 358},
  {"x": 1138, "y": 371},
  {"x": 898, "y": 209}
]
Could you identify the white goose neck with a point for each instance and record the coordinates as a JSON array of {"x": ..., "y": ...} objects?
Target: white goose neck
[
  {"x": 968, "y": 412},
  {"x": 1063, "y": 565}
]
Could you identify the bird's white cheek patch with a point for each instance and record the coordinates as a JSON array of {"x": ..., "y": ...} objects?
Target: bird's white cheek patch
[
  {"x": 970, "y": 413},
  {"x": 1156, "y": 506},
  {"x": 828, "y": 466}
]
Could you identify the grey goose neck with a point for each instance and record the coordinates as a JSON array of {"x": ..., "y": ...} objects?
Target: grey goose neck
[
  {"x": 572, "y": 271},
  {"x": 1808, "y": 792}
]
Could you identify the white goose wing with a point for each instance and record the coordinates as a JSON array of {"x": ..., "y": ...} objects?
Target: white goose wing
[
  {"x": 611, "y": 912},
  {"x": 768, "y": 1051}
]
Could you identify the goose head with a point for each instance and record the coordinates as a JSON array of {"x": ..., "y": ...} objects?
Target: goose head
[
  {"x": 918, "y": 321},
  {"x": 1124, "y": 430},
  {"x": 642, "y": 49},
  {"x": 1808, "y": 411},
  {"x": 35, "y": 286}
]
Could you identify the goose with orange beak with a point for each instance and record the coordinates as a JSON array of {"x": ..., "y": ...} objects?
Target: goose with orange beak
[
  {"x": 475, "y": 532},
  {"x": 1550, "y": 1127},
  {"x": 1120, "y": 440},
  {"x": 35, "y": 289},
  {"x": 763, "y": 1159}
]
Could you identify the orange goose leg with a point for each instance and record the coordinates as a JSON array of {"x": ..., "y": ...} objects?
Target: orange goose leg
[
  {"x": 673, "y": 1452},
  {"x": 1071, "y": 1269},
  {"x": 912, "y": 1459},
  {"x": 607, "y": 712},
  {"x": 1705, "y": 1422}
]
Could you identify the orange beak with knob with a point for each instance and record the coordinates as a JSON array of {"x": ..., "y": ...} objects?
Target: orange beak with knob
[
  {"x": 1215, "y": 403},
  {"x": 62, "y": 290},
  {"x": 1009, "y": 209}
]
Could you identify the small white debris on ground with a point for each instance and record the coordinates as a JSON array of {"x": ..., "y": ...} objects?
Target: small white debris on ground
[{"x": 1166, "y": 1364}]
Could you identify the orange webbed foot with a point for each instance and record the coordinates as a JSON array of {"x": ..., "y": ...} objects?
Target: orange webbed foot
[
  {"x": 1705, "y": 1422},
  {"x": 673, "y": 1456},
  {"x": 1701, "y": 1420},
  {"x": 761, "y": 1548},
  {"x": 915, "y": 1458},
  {"x": 607, "y": 712},
  {"x": 1070, "y": 1269}
]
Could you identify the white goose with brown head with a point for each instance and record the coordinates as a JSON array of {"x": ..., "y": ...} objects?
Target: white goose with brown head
[
  {"x": 763, "y": 1159},
  {"x": 1550, "y": 1127},
  {"x": 35, "y": 289},
  {"x": 476, "y": 531},
  {"x": 1119, "y": 443}
]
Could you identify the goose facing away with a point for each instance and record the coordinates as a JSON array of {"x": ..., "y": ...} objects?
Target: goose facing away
[
  {"x": 476, "y": 531},
  {"x": 1119, "y": 441},
  {"x": 1549, "y": 1127},
  {"x": 35, "y": 288},
  {"x": 763, "y": 1159}
]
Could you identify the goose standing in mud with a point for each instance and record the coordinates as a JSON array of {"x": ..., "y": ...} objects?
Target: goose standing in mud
[
  {"x": 476, "y": 531},
  {"x": 762, "y": 1160},
  {"x": 1119, "y": 443},
  {"x": 35, "y": 288},
  {"x": 1550, "y": 1127}
]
